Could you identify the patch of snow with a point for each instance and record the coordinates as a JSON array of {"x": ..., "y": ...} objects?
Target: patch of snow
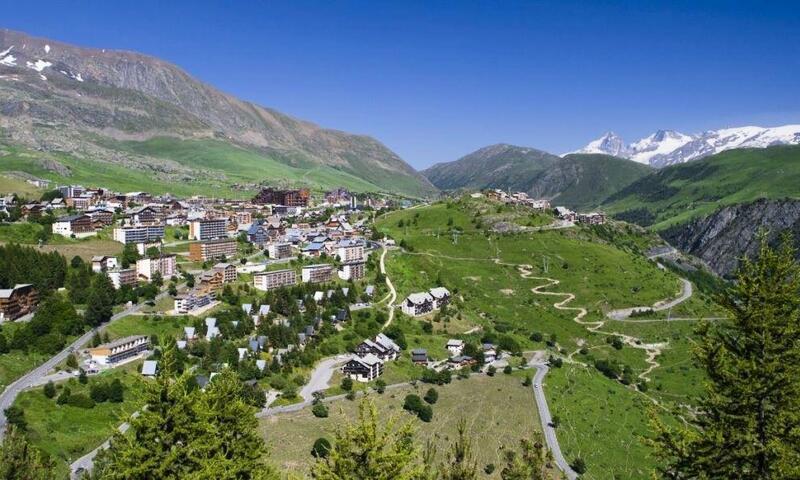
[
  {"x": 78, "y": 77},
  {"x": 43, "y": 77},
  {"x": 39, "y": 65},
  {"x": 9, "y": 61},
  {"x": 47, "y": 49},
  {"x": 6, "y": 51}
]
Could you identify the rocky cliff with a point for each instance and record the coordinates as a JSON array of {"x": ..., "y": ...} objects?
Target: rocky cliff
[{"x": 722, "y": 238}]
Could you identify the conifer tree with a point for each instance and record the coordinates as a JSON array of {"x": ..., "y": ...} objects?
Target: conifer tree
[
  {"x": 461, "y": 464},
  {"x": 371, "y": 450},
  {"x": 748, "y": 421},
  {"x": 19, "y": 460}
]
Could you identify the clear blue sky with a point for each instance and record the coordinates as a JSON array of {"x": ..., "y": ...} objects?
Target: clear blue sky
[{"x": 436, "y": 80}]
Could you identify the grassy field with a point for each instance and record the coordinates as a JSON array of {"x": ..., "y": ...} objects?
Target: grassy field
[
  {"x": 499, "y": 412},
  {"x": 9, "y": 184},
  {"x": 679, "y": 193},
  {"x": 601, "y": 422},
  {"x": 148, "y": 325},
  {"x": 210, "y": 167},
  {"x": 14, "y": 364},
  {"x": 604, "y": 267},
  {"x": 65, "y": 432}
]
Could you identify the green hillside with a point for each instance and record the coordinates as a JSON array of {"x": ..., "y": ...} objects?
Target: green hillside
[
  {"x": 188, "y": 167},
  {"x": 579, "y": 181},
  {"x": 594, "y": 177},
  {"x": 679, "y": 193}
]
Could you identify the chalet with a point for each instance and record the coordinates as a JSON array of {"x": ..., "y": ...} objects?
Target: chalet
[
  {"x": 441, "y": 296},
  {"x": 101, "y": 217},
  {"x": 564, "y": 213},
  {"x": 363, "y": 369},
  {"x": 189, "y": 333},
  {"x": 381, "y": 346},
  {"x": 460, "y": 361},
  {"x": 419, "y": 356},
  {"x": 101, "y": 263},
  {"x": 119, "y": 350},
  {"x": 593, "y": 218},
  {"x": 18, "y": 301},
  {"x": 212, "y": 330},
  {"x": 489, "y": 353},
  {"x": 194, "y": 300},
  {"x": 418, "y": 304},
  {"x": 455, "y": 347}
]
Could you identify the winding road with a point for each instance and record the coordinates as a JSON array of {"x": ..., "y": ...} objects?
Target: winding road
[
  {"x": 33, "y": 378},
  {"x": 392, "y": 292},
  {"x": 547, "y": 421}
]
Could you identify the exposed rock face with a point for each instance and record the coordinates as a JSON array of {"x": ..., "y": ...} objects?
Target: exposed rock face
[
  {"x": 55, "y": 96},
  {"x": 723, "y": 237}
]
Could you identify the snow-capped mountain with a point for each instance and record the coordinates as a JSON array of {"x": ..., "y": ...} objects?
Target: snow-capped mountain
[{"x": 668, "y": 147}]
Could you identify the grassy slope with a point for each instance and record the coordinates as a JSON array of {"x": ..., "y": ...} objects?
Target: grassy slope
[
  {"x": 599, "y": 176},
  {"x": 219, "y": 164},
  {"x": 499, "y": 412},
  {"x": 679, "y": 193},
  {"x": 603, "y": 275},
  {"x": 66, "y": 432},
  {"x": 22, "y": 188}
]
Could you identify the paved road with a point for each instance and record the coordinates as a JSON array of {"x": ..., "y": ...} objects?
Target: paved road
[
  {"x": 321, "y": 376},
  {"x": 544, "y": 416},
  {"x": 686, "y": 293},
  {"x": 86, "y": 462},
  {"x": 34, "y": 377}
]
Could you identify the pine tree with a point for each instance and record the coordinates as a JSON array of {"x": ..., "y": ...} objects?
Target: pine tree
[
  {"x": 461, "y": 464},
  {"x": 188, "y": 433},
  {"x": 530, "y": 463},
  {"x": 371, "y": 450},
  {"x": 100, "y": 301},
  {"x": 749, "y": 421},
  {"x": 49, "y": 390},
  {"x": 19, "y": 460}
]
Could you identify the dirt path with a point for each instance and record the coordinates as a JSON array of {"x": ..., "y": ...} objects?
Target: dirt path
[{"x": 392, "y": 291}]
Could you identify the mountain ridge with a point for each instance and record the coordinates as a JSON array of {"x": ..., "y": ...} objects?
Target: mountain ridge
[
  {"x": 669, "y": 147},
  {"x": 129, "y": 96}
]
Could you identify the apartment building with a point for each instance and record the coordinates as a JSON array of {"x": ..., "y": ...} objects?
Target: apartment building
[
  {"x": 141, "y": 234},
  {"x": 122, "y": 276},
  {"x": 208, "y": 229},
  {"x": 166, "y": 265},
  {"x": 350, "y": 251},
  {"x": 228, "y": 271},
  {"x": 18, "y": 301},
  {"x": 318, "y": 273},
  {"x": 279, "y": 250},
  {"x": 212, "y": 249},
  {"x": 275, "y": 279},
  {"x": 119, "y": 350}
]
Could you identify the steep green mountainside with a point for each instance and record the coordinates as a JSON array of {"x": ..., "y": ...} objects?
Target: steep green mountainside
[
  {"x": 117, "y": 108},
  {"x": 506, "y": 288},
  {"x": 585, "y": 180},
  {"x": 577, "y": 181},
  {"x": 678, "y": 194},
  {"x": 496, "y": 166}
]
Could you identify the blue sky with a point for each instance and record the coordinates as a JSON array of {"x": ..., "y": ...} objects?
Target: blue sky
[{"x": 436, "y": 80}]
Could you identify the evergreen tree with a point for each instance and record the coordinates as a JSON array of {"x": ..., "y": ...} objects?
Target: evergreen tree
[
  {"x": 100, "y": 301},
  {"x": 188, "y": 433},
  {"x": 748, "y": 425},
  {"x": 19, "y": 460},
  {"x": 461, "y": 464},
  {"x": 530, "y": 463},
  {"x": 129, "y": 255},
  {"x": 371, "y": 450}
]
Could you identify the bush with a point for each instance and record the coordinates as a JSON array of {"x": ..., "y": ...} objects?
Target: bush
[
  {"x": 81, "y": 401},
  {"x": 535, "y": 337},
  {"x": 50, "y": 390},
  {"x": 64, "y": 397},
  {"x": 347, "y": 384},
  {"x": 380, "y": 386},
  {"x": 320, "y": 411},
  {"x": 555, "y": 421},
  {"x": 321, "y": 448},
  {"x": 527, "y": 382},
  {"x": 579, "y": 465},
  {"x": 508, "y": 370},
  {"x": 491, "y": 371},
  {"x": 489, "y": 469},
  {"x": 412, "y": 403},
  {"x": 351, "y": 395},
  {"x": 426, "y": 413},
  {"x": 98, "y": 392},
  {"x": 431, "y": 396}
]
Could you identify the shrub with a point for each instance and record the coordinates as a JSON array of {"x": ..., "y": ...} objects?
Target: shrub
[
  {"x": 535, "y": 337},
  {"x": 64, "y": 397},
  {"x": 508, "y": 370},
  {"x": 491, "y": 371},
  {"x": 116, "y": 391},
  {"x": 426, "y": 413},
  {"x": 347, "y": 384},
  {"x": 431, "y": 396},
  {"x": 320, "y": 411},
  {"x": 527, "y": 382},
  {"x": 98, "y": 392},
  {"x": 489, "y": 469},
  {"x": 579, "y": 465},
  {"x": 50, "y": 390},
  {"x": 380, "y": 386},
  {"x": 321, "y": 448},
  {"x": 412, "y": 403},
  {"x": 555, "y": 421},
  {"x": 351, "y": 395},
  {"x": 81, "y": 401}
]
